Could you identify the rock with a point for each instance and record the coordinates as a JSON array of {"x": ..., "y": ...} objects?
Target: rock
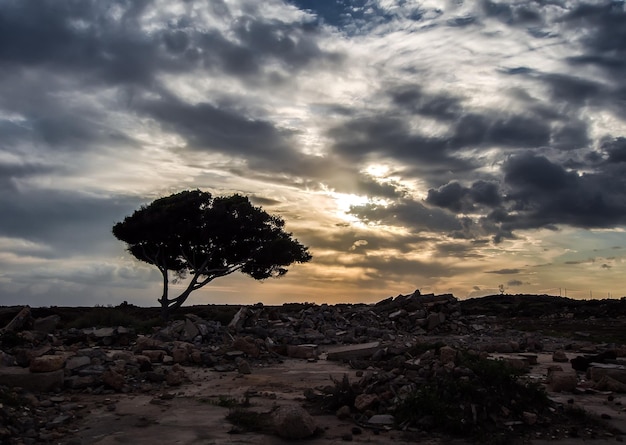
[
  {"x": 174, "y": 378},
  {"x": 77, "y": 361},
  {"x": 301, "y": 351},
  {"x": 352, "y": 352},
  {"x": 155, "y": 355},
  {"x": 529, "y": 418},
  {"x": 6, "y": 359},
  {"x": 43, "y": 381},
  {"x": 247, "y": 345},
  {"x": 563, "y": 380},
  {"x": 447, "y": 355},
  {"x": 79, "y": 382},
  {"x": 180, "y": 355},
  {"x": 22, "y": 319},
  {"x": 433, "y": 320},
  {"x": 581, "y": 363},
  {"x": 293, "y": 422},
  {"x": 597, "y": 371},
  {"x": 47, "y": 363},
  {"x": 113, "y": 379},
  {"x": 559, "y": 356},
  {"x": 144, "y": 343},
  {"x": 607, "y": 383},
  {"x": 397, "y": 314},
  {"x": 382, "y": 419},
  {"x": 518, "y": 363},
  {"x": 531, "y": 358},
  {"x": 343, "y": 412},
  {"x": 364, "y": 402},
  {"x": 244, "y": 367},
  {"x": 190, "y": 330},
  {"x": 46, "y": 324},
  {"x": 239, "y": 319}
]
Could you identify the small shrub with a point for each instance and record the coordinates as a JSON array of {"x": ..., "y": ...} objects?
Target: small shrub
[
  {"x": 341, "y": 394},
  {"x": 471, "y": 407}
]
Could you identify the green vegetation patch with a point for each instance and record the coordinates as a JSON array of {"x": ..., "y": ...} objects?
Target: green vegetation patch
[{"x": 478, "y": 405}]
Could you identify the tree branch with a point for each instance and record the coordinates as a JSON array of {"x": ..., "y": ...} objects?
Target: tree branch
[{"x": 216, "y": 273}]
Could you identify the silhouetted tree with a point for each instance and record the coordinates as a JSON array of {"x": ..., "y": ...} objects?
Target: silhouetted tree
[{"x": 194, "y": 234}]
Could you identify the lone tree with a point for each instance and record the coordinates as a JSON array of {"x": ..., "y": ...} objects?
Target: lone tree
[{"x": 194, "y": 234}]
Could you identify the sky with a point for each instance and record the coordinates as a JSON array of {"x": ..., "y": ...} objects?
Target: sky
[{"x": 446, "y": 146}]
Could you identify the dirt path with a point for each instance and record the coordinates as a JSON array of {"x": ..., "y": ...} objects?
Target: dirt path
[
  {"x": 189, "y": 415},
  {"x": 192, "y": 415}
]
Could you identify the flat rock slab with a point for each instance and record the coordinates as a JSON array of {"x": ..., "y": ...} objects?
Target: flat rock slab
[
  {"x": 14, "y": 376},
  {"x": 352, "y": 352}
]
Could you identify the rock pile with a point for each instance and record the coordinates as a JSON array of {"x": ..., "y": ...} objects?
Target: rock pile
[{"x": 401, "y": 344}]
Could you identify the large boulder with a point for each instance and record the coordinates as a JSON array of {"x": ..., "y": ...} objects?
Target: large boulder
[{"x": 293, "y": 422}]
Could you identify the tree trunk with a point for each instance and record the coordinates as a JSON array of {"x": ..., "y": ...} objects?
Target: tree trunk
[{"x": 164, "y": 300}]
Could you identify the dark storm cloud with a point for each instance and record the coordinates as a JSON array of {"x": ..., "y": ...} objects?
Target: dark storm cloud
[
  {"x": 392, "y": 137},
  {"x": 370, "y": 187},
  {"x": 64, "y": 221},
  {"x": 431, "y": 157},
  {"x": 412, "y": 99},
  {"x": 536, "y": 192},
  {"x": 543, "y": 193},
  {"x": 78, "y": 36},
  {"x": 604, "y": 37},
  {"x": 616, "y": 150},
  {"x": 512, "y": 131},
  {"x": 87, "y": 36},
  {"x": 289, "y": 43},
  {"x": 455, "y": 197},
  {"x": 573, "y": 135},
  {"x": 212, "y": 128},
  {"x": 410, "y": 214}
]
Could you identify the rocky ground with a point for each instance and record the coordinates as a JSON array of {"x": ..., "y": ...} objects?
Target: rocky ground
[{"x": 413, "y": 368}]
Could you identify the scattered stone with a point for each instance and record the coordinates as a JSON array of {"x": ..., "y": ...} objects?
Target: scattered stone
[
  {"x": 559, "y": 356},
  {"x": 352, "y": 352},
  {"x": 47, "y": 363},
  {"x": 597, "y": 371},
  {"x": 447, "y": 355},
  {"x": 244, "y": 367},
  {"x": 344, "y": 412},
  {"x": 22, "y": 318},
  {"x": 581, "y": 363},
  {"x": 77, "y": 361},
  {"x": 293, "y": 422},
  {"x": 382, "y": 419},
  {"x": 364, "y": 402},
  {"x": 560, "y": 381},
  {"x": 113, "y": 379},
  {"x": 15, "y": 376},
  {"x": 47, "y": 324}
]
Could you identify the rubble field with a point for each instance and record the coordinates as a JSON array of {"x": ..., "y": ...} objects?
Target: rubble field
[{"x": 428, "y": 369}]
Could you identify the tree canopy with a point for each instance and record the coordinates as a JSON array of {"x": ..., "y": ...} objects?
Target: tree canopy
[{"x": 194, "y": 234}]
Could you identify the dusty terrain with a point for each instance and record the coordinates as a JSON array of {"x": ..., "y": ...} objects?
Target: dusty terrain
[
  {"x": 191, "y": 414},
  {"x": 241, "y": 371}
]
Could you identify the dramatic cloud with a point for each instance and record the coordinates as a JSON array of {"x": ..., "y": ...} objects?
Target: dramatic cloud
[{"x": 411, "y": 145}]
